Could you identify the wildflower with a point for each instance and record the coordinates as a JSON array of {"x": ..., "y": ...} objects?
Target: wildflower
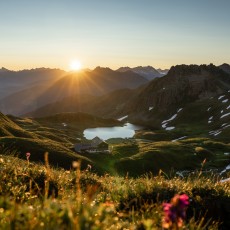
[
  {"x": 89, "y": 167},
  {"x": 175, "y": 211},
  {"x": 204, "y": 161},
  {"x": 28, "y": 156},
  {"x": 75, "y": 164}
]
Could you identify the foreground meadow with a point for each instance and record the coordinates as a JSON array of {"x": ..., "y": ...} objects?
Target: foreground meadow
[{"x": 34, "y": 196}]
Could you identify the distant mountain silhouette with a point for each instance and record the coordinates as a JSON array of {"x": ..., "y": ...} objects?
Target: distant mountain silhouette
[
  {"x": 97, "y": 82},
  {"x": 183, "y": 85},
  {"x": 2, "y": 70},
  {"x": 147, "y": 72},
  {"x": 163, "y": 71},
  {"x": 15, "y": 81},
  {"x": 225, "y": 67}
]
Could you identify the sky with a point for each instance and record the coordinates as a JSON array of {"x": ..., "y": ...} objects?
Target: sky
[{"x": 113, "y": 33}]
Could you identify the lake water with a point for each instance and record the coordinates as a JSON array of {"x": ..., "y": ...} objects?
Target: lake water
[{"x": 126, "y": 131}]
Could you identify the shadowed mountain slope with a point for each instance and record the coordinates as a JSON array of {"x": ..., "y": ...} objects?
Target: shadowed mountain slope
[
  {"x": 182, "y": 85},
  {"x": 97, "y": 82},
  {"x": 108, "y": 105},
  {"x": 225, "y": 67},
  {"x": 16, "y": 138}
]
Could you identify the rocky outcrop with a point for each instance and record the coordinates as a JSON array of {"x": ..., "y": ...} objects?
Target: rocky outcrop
[{"x": 183, "y": 84}]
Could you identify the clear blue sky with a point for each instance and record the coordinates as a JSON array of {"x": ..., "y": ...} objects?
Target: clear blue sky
[{"x": 160, "y": 33}]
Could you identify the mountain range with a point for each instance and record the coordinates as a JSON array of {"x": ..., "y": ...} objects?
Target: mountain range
[
  {"x": 25, "y": 91},
  {"x": 190, "y": 102},
  {"x": 147, "y": 72},
  {"x": 114, "y": 94}
]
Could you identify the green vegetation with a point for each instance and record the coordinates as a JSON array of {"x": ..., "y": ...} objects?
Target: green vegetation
[
  {"x": 123, "y": 189},
  {"x": 77, "y": 121},
  {"x": 34, "y": 196},
  {"x": 144, "y": 154},
  {"x": 137, "y": 157}
]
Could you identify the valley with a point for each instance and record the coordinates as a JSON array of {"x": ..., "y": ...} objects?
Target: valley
[
  {"x": 177, "y": 114},
  {"x": 174, "y": 128}
]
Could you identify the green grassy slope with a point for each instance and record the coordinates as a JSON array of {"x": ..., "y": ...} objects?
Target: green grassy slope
[
  {"x": 140, "y": 157},
  {"x": 79, "y": 121},
  {"x": 30, "y": 136},
  {"x": 84, "y": 200}
]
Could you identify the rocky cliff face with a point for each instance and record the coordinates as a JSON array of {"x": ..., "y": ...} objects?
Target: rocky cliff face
[{"x": 183, "y": 84}]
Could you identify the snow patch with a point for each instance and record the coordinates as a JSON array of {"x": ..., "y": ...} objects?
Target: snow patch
[
  {"x": 226, "y": 154},
  {"x": 165, "y": 122},
  {"x": 170, "y": 119},
  {"x": 164, "y": 125},
  {"x": 225, "y": 180},
  {"x": 225, "y": 101},
  {"x": 225, "y": 115},
  {"x": 122, "y": 118},
  {"x": 220, "y": 97},
  {"x": 170, "y": 128},
  {"x": 179, "y": 174},
  {"x": 223, "y": 171},
  {"x": 228, "y": 107},
  {"x": 209, "y": 122},
  {"x": 64, "y": 124},
  {"x": 150, "y": 108},
  {"x": 180, "y": 138},
  {"x": 210, "y": 118},
  {"x": 209, "y": 108},
  {"x": 217, "y": 133},
  {"x": 221, "y": 111}
]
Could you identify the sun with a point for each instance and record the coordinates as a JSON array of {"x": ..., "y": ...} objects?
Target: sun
[{"x": 75, "y": 65}]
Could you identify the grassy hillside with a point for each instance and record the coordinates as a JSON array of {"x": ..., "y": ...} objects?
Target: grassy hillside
[
  {"x": 24, "y": 135},
  {"x": 147, "y": 153},
  {"x": 79, "y": 121},
  {"x": 137, "y": 157},
  {"x": 39, "y": 197},
  {"x": 59, "y": 155},
  {"x": 9, "y": 128}
]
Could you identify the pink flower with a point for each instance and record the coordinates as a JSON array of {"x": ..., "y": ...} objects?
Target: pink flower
[
  {"x": 175, "y": 211},
  {"x": 184, "y": 200},
  {"x": 28, "y": 156}
]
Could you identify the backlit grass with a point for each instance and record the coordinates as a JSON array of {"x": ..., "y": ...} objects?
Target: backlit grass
[{"x": 34, "y": 196}]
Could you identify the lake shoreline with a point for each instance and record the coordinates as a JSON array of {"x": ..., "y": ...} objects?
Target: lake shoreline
[{"x": 125, "y": 131}]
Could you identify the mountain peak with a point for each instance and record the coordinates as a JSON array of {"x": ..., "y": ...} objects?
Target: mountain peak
[
  {"x": 148, "y": 72},
  {"x": 185, "y": 70},
  {"x": 225, "y": 67},
  {"x": 4, "y": 70},
  {"x": 102, "y": 69}
]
